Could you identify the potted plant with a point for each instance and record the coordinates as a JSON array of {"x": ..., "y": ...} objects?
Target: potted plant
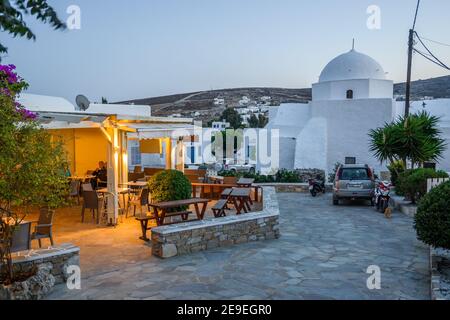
[{"x": 32, "y": 175}]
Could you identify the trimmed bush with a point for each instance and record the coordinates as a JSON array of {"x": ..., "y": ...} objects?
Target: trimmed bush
[
  {"x": 396, "y": 168},
  {"x": 413, "y": 183},
  {"x": 432, "y": 221},
  {"x": 170, "y": 185}
]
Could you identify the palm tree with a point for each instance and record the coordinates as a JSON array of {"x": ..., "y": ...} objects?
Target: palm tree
[{"x": 415, "y": 138}]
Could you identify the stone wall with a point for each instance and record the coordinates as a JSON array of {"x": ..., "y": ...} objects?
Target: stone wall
[
  {"x": 440, "y": 274},
  {"x": 173, "y": 240},
  {"x": 49, "y": 267},
  {"x": 293, "y": 187}
]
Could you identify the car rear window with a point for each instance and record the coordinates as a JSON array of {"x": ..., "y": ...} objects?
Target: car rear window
[{"x": 354, "y": 174}]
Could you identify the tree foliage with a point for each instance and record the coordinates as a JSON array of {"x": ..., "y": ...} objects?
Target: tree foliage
[
  {"x": 12, "y": 14},
  {"x": 233, "y": 117},
  {"x": 259, "y": 121},
  {"x": 32, "y": 166},
  {"x": 415, "y": 138},
  {"x": 432, "y": 221}
]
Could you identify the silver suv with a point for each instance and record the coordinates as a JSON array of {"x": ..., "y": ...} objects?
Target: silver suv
[{"x": 353, "y": 182}]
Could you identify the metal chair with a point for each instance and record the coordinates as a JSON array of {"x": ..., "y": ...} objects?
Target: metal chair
[
  {"x": 93, "y": 202},
  {"x": 86, "y": 187},
  {"x": 75, "y": 189},
  {"x": 43, "y": 229},
  {"x": 140, "y": 200}
]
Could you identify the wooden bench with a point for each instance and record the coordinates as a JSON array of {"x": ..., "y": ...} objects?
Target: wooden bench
[
  {"x": 226, "y": 193},
  {"x": 219, "y": 208}
]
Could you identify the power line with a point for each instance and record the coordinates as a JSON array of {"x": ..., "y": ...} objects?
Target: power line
[
  {"x": 437, "y": 61},
  {"x": 437, "y": 42},
  {"x": 430, "y": 59}
]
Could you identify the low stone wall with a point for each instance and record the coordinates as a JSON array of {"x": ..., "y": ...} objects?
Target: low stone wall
[
  {"x": 440, "y": 283},
  {"x": 49, "y": 267},
  {"x": 403, "y": 206},
  {"x": 293, "y": 187},
  {"x": 59, "y": 258},
  {"x": 185, "y": 238}
]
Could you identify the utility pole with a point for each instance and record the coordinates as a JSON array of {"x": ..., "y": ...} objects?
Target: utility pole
[
  {"x": 410, "y": 56},
  {"x": 408, "y": 77}
]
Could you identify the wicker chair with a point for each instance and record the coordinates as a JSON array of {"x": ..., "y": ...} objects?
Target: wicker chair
[
  {"x": 43, "y": 229},
  {"x": 139, "y": 200},
  {"x": 93, "y": 202},
  {"x": 75, "y": 189}
]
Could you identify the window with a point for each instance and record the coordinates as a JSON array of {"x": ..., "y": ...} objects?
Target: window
[
  {"x": 349, "y": 94},
  {"x": 350, "y": 160},
  {"x": 354, "y": 174},
  {"x": 191, "y": 153},
  {"x": 135, "y": 155}
]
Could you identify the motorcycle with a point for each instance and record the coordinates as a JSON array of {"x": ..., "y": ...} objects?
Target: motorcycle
[
  {"x": 382, "y": 196},
  {"x": 316, "y": 187}
]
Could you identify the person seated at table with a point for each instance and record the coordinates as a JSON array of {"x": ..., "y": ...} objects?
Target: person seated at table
[{"x": 101, "y": 176}]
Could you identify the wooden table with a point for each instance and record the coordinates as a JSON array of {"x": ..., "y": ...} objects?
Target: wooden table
[
  {"x": 136, "y": 184},
  {"x": 212, "y": 187},
  {"x": 245, "y": 182},
  {"x": 241, "y": 199},
  {"x": 220, "y": 188},
  {"x": 216, "y": 179},
  {"x": 82, "y": 178},
  {"x": 160, "y": 210}
]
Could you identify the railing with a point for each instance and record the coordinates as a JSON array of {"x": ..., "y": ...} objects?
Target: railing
[{"x": 432, "y": 183}]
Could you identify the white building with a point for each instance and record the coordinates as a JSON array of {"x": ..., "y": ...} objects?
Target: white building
[
  {"x": 351, "y": 97},
  {"x": 245, "y": 101},
  {"x": 220, "y": 125},
  {"x": 219, "y": 101}
]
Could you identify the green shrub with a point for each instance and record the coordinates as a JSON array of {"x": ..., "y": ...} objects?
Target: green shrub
[
  {"x": 413, "y": 183},
  {"x": 332, "y": 175},
  {"x": 229, "y": 173},
  {"x": 432, "y": 221},
  {"x": 396, "y": 168},
  {"x": 286, "y": 176},
  {"x": 170, "y": 185}
]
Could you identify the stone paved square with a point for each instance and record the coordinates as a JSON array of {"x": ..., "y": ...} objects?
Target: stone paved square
[{"x": 323, "y": 253}]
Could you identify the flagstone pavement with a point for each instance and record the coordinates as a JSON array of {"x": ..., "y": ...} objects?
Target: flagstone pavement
[{"x": 323, "y": 253}]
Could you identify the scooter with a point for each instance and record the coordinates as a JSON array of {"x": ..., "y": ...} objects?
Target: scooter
[
  {"x": 316, "y": 187},
  {"x": 382, "y": 196}
]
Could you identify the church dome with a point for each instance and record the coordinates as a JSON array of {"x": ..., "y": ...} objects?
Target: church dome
[{"x": 352, "y": 66}]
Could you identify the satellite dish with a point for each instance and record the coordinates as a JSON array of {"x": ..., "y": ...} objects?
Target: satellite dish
[{"x": 82, "y": 102}]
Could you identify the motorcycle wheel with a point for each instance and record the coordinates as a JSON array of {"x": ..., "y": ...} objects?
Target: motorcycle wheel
[
  {"x": 385, "y": 205},
  {"x": 314, "y": 193}
]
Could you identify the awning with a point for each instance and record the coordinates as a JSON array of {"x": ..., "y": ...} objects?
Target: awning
[{"x": 160, "y": 130}]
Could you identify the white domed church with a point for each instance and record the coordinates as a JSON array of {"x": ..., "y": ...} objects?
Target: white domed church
[{"x": 352, "y": 96}]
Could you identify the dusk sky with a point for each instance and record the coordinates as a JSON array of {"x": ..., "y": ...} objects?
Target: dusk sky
[{"x": 141, "y": 48}]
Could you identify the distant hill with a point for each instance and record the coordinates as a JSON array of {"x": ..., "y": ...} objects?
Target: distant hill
[
  {"x": 434, "y": 87},
  {"x": 200, "y": 106}
]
